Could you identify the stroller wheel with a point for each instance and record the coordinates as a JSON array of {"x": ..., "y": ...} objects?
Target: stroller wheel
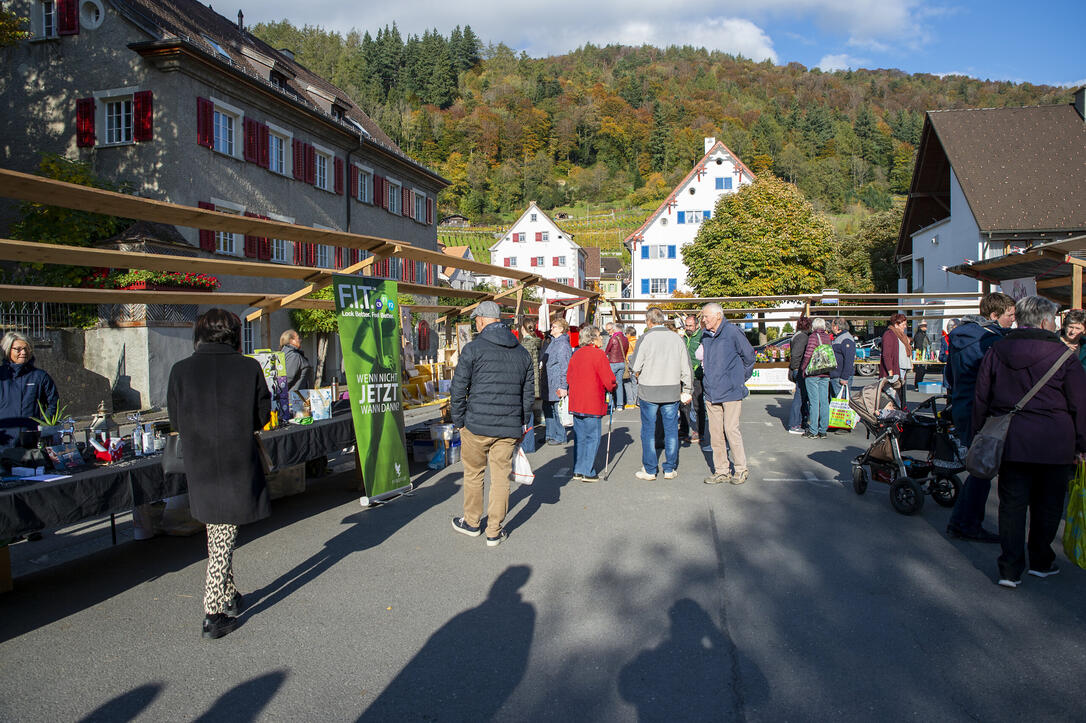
[
  {"x": 906, "y": 496},
  {"x": 859, "y": 479},
  {"x": 944, "y": 490}
]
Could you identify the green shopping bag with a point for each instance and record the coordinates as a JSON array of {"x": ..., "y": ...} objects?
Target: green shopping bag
[
  {"x": 1074, "y": 529},
  {"x": 841, "y": 415}
]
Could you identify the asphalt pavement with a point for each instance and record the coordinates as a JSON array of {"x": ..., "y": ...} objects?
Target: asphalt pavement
[{"x": 786, "y": 598}]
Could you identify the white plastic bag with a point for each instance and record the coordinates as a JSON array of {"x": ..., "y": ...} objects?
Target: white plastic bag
[
  {"x": 522, "y": 469},
  {"x": 565, "y": 417}
]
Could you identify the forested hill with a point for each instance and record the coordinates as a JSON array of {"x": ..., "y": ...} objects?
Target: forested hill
[{"x": 621, "y": 125}]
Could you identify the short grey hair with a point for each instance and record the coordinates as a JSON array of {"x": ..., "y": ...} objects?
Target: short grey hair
[
  {"x": 1032, "y": 310},
  {"x": 840, "y": 323},
  {"x": 818, "y": 324},
  {"x": 712, "y": 309},
  {"x": 587, "y": 335},
  {"x": 609, "y": 327},
  {"x": 9, "y": 341},
  {"x": 656, "y": 316}
]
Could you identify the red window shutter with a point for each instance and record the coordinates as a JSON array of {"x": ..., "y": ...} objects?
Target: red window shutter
[
  {"x": 264, "y": 136},
  {"x": 264, "y": 247},
  {"x": 250, "y": 140},
  {"x": 555, "y": 262},
  {"x": 339, "y": 257},
  {"x": 507, "y": 262},
  {"x": 207, "y": 238},
  {"x": 297, "y": 160},
  {"x": 338, "y": 166},
  {"x": 310, "y": 254},
  {"x": 299, "y": 253},
  {"x": 310, "y": 164},
  {"x": 84, "y": 122},
  {"x": 144, "y": 116},
  {"x": 538, "y": 235},
  {"x": 429, "y": 211},
  {"x": 533, "y": 261},
  {"x": 354, "y": 182},
  {"x": 405, "y": 197},
  {"x": 252, "y": 243},
  {"x": 67, "y": 17},
  {"x": 205, "y": 122},
  {"x": 430, "y": 274}
]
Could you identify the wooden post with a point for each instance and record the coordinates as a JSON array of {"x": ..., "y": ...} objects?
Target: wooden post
[
  {"x": 520, "y": 300},
  {"x": 265, "y": 331},
  {"x": 1076, "y": 286}
]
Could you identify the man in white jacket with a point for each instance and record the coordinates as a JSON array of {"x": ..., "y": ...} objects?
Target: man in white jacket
[{"x": 661, "y": 364}]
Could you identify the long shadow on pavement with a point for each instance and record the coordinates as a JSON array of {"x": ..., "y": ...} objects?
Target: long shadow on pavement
[
  {"x": 468, "y": 667},
  {"x": 125, "y": 707},
  {"x": 244, "y": 702}
]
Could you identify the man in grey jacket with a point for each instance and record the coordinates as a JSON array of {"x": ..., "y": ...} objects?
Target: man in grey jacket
[{"x": 661, "y": 365}]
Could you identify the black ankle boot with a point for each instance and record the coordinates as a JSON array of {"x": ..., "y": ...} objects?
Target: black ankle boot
[
  {"x": 235, "y": 606},
  {"x": 218, "y": 625}
]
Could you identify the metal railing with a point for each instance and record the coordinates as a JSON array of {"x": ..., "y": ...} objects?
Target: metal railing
[{"x": 33, "y": 318}]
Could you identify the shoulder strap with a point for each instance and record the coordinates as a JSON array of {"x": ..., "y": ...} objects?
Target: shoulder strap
[{"x": 1043, "y": 380}]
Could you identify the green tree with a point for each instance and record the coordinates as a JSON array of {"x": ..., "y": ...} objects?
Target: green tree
[
  {"x": 765, "y": 239},
  {"x": 13, "y": 28},
  {"x": 864, "y": 260}
]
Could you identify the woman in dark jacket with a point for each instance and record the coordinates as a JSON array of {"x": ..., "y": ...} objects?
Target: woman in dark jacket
[
  {"x": 797, "y": 414},
  {"x": 531, "y": 343},
  {"x": 25, "y": 390},
  {"x": 896, "y": 355},
  {"x": 217, "y": 399},
  {"x": 1043, "y": 439}
]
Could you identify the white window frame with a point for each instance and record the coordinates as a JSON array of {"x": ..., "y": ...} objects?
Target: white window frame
[
  {"x": 546, "y": 236},
  {"x": 534, "y": 218},
  {"x": 248, "y": 337},
  {"x": 512, "y": 261},
  {"x": 238, "y": 117},
  {"x": 662, "y": 284},
  {"x": 42, "y": 27},
  {"x": 394, "y": 195},
  {"x": 283, "y": 245},
  {"x": 236, "y": 240},
  {"x": 282, "y": 134},
  {"x": 561, "y": 261},
  {"x": 324, "y": 177},
  {"x": 322, "y": 256},
  {"x": 103, "y": 99},
  {"x": 365, "y": 184},
  {"x": 420, "y": 205}
]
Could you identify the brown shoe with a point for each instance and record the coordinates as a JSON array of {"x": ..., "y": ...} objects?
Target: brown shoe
[{"x": 740, "y": 477}]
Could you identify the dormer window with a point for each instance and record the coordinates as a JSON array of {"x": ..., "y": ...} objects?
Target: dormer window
[
  {"x": 337, "y": 112},
  {"x": 218, "y": 48},
  {"x": 278, "y": 80}
]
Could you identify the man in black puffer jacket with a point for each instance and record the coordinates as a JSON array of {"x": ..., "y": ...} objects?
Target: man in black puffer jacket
[{"x": 492, "y": 393}]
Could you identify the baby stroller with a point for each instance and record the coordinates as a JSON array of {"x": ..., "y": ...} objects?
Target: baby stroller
[{"x": 894, "y": 430}]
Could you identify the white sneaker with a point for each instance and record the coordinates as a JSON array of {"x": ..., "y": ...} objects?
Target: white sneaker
[
  {"x": 642, "y": 474},
  {"x": 672, "y": 474},
  {"x": 1008, "y": 583}
]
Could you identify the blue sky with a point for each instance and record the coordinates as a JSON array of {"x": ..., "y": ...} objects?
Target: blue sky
[{"x": 1037, "y": 42}]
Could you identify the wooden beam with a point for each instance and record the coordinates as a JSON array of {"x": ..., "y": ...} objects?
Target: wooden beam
[
  {"x": 1054, "y": 282},
  {"x": 50, "y": 192},
  {"x": 10, "y": 292},
  {"x": 520, "y": 302},
  {"x": 1076, "y": 286}
]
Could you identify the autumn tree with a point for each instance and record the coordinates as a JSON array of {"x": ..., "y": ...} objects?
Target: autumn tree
[{"x": 764, "y": 240}]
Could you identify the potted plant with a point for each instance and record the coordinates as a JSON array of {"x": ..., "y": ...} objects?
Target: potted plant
[{"x": 49, "y": 424}]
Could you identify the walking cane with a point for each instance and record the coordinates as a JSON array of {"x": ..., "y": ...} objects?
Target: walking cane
[{"x": 607, "y": 454}]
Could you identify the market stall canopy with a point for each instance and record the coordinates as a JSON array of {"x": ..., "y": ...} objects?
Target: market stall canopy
[{"x": 1056, "y": 267}]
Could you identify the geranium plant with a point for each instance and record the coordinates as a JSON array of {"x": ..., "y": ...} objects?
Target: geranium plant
[{"x": 103, "y": 279}]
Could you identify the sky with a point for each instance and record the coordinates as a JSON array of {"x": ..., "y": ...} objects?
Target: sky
[{"x": 1038, "y": 42}]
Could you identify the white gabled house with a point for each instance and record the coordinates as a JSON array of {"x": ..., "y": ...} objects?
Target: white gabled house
[
  {"x": 537, "y": 245},
  {"x": 657, "y": 268}
]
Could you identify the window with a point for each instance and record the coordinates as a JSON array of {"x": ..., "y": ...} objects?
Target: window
[
  {"x": 663, "y": 221},
  {"x": 365, "y": 186},
  {"x": 247, "y": 343},
  {"x": 324, "y": 256},
  {"x": 719, "y": 183},
  {"x": 224, "y": 132},
  {"x": 226, "y": 242},
  {"x": 511, "y": 261},
  {"x": 519, "y": 238},
  {"x": 49, "y": 20},
  {"x": 658, "y": 286},
  {"x": 918, "y": 276},
  {"x": 534, "y": 217},
  {"x": 420, "y": 207},
  {"x": 118, "y": 117},
  {"x": 277, "y": 156},
  {"x": 546, "y": 236},
  {"x": 322, "y": 171},
  {"x": 538, "y": 261},
  {"x": 658, "y": 251},
  {"x": 559, "y": 260},
  {"x": 393, "y": 197},
  {"x": 694, "y": 217},
  {"x": 282, "y": 251}
]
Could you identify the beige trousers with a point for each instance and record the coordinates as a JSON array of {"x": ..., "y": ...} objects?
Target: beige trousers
[
  {"x": 724, "y": 434},
  {"x": 476, "y": 452}
]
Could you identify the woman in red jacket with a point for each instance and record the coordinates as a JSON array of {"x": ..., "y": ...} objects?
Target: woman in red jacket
[
  {"x": 897, "y": 353},
  {"x": 590, "y": 379}
]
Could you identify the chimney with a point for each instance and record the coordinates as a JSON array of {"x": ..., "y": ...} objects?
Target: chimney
[
  {"x": 287, "y": 52},
  {"x": 241, "y": 20},
  {"x": 709, "y": 143},
  {"x": 1080, "y": 102}
]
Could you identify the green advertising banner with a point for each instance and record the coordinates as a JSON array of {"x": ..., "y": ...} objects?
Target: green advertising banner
[{"x": 369, "y": 333}]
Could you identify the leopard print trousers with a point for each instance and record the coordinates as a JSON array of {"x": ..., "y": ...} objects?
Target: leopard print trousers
[{"x": 219, "y": 588}]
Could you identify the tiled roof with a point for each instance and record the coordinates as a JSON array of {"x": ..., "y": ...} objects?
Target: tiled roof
[
  {"x": 592, "y": 262},
  {"x": 611, "y": 266},
  {"x": 456, "y": 252},
  {"x": 193, "y": 23},
  {"x": 1021, "y": 169}
]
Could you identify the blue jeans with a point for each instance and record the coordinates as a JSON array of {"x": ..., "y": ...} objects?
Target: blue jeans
[
  {"x": 818, "y": 396},
  {"x": 669, "y": 414},
  {"x": 799, "y": 410},
  {"x": 555, "y": 431},
  {"x": 586, "y": 442},
  {"x": 618, "y": 370},
  {"x": 528, "y": 445}
]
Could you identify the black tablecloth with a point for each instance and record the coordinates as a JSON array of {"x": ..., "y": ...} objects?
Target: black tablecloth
[{"x": 120, "y": 486}]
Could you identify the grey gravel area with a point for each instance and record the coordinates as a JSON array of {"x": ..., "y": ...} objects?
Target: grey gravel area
[{"x": 787, "y": 598}]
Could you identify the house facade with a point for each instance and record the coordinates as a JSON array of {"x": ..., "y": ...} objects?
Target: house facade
[
  {"x": 989, "y": 182},
  {"x": 178, "y": 103},
  {"x": 657, "y": 268},
  {"x": 454, "y": 277},
  {"x": 537, "y": 245}
]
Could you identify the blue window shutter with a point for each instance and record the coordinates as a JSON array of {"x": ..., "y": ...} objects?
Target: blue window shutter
[
  {"x": 682, "y": 217},
  {"x": 644, "y": 286},
  {"x": 720, "y": 183},
  {"x": 671, "y": 285},
  {"x": 727, "y": 183},
  {"x": 644, "y": 251},
  {"x": 706, "y": 214},
  {"x": 671, "y": 252}
]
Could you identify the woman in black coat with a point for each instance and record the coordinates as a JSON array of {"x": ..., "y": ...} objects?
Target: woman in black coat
[{"x": 217, "y": 399}]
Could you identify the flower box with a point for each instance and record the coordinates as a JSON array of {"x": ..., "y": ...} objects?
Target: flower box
[{"x": 151, "y": 286}]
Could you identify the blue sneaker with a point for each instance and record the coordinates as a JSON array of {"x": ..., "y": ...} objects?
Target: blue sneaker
[
  {"x": 496, "y": 540},
  {"x": 464, "y": 528}
]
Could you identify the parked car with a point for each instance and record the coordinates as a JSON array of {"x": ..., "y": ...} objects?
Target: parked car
[{"x": 868, "y": 354}]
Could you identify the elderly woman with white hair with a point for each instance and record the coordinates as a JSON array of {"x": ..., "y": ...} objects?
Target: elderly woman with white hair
[
  {"x": 1043, "y": 440},
  {"x": 25, "y": 390},
  {"x": 818, "y": 382}
]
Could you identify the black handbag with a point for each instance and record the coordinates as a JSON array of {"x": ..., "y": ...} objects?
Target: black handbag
[{"x": 172, "y": 460}]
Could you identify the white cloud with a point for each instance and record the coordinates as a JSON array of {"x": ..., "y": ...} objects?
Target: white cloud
[{"x": 840, "y": 61}]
